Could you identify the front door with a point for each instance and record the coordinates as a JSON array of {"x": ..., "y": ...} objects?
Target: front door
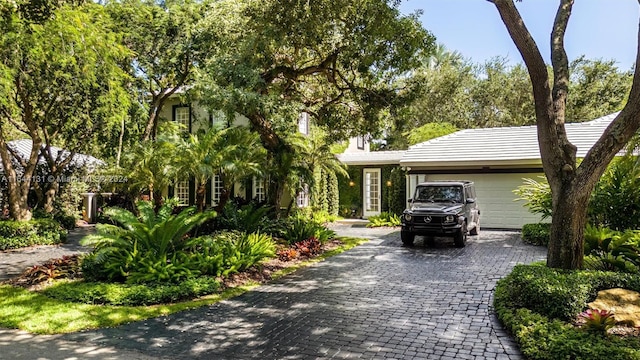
[{"x": 371, "y": 187}]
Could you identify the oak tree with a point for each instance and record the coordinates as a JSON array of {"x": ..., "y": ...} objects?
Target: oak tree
[{"x": 571, "y": 183}]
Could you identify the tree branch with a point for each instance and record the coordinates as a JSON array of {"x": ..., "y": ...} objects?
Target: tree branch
[{"x": 617, "y": 134}]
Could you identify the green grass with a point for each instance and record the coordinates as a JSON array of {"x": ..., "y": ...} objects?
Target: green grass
[{"x": 36, "y": 313}]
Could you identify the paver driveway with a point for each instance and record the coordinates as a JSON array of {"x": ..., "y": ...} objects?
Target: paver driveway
[{"x": 379, "y": 300}]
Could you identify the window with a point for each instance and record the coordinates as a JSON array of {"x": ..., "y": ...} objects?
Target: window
[
  {"x": 259, "y": 192},
  {"x": 181, "y": 191},
  {"x": 303, "y": 123},
  {"x": 182, "y": 116},
  {"x": 216, "y": 189},
  {"x": 302, "y": 199},
  {"x": 360, "y": 142}
]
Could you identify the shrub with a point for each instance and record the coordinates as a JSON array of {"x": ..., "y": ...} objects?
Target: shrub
[
  {"x": 384, "y": 219},
  {"x": 17, "y": 234},
  {"x": 131, "y": 295},
  {"x": 229, "y": 252},
  {"x": 248, "y": 218},
  {"x": 615, "y": 201},
  {"x": 333, "y": 195},
  {"x": 611, "y": 250},
  {"x": 535, "y": 302},
  {"x": 145, "y": 249},
  {"x": 297, "y": 229},
  {"x": 67, "y": 221},
  {"x": 536, "y": 234}
]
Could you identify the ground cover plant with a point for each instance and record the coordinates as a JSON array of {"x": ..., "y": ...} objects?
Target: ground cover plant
[
  {"x": 542, "y": 308},
  {"x": 35, "y": 312}
]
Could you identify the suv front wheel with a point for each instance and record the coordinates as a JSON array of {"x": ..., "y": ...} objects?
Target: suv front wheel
[
  {"x": 460, "y": 239},
  {"x": 407, "y": 238}
]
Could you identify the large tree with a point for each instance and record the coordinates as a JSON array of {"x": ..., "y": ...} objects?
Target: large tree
[
  {"x": 59, "y": 85},
  {"x": 336, "y": 60},
  {"x": 167, "y": 44},
  {"x": 571, "y": 184}
]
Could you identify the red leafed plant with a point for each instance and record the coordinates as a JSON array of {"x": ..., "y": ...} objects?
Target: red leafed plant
[
  {"x": 287, "y": 254},
  {"x": 65, "y": 267},
  {"x": 596, "y": 320},
  {"x": 310, "y": 247}
]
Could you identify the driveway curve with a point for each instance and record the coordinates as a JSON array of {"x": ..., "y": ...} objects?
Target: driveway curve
[{"x": 378, "y": 300}]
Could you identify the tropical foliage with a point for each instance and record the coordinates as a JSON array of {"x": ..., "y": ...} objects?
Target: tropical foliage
[
  {"x": 145, "y": 249},
  {"x": 384, "y": 219}
]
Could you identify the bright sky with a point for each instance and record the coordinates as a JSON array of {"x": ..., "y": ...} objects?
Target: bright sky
[{"x": 599, "y": 29}]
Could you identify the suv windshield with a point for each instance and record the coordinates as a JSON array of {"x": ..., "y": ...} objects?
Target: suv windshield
[{"x": 439, "y": 194}]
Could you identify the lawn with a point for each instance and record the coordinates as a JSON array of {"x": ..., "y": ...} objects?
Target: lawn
[{"x": 36, "y": 313}]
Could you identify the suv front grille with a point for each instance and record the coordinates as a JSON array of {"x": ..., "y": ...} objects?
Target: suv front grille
[{"x": 434, "y": 219}]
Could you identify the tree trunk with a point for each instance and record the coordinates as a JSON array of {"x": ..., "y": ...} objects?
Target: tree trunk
[
  {"x": 120, "y": 143},
  {"x": 225, "y": 194},
  {"x": 152, "y": 121},
  {"x": 566, "y": 245},
  {"x": 50, "y": 196},
  {"x": 201, "y": 190},
  {"x": 18, "y": 186}
]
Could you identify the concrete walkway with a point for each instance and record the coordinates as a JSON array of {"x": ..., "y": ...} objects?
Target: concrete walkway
[{"x": 379, "y": 300}]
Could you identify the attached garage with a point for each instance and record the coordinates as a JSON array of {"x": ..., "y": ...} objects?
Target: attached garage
[
  {"x": 497, "y": 160},
  {"x": 498, "y": 208}
]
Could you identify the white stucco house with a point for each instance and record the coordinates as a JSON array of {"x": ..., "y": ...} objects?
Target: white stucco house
[{"x": 496, "y": 159}]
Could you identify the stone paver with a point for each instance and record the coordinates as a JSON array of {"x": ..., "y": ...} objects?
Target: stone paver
[
  {"x": 379, "y": 300},
  {"x": 14, "y": 262}
]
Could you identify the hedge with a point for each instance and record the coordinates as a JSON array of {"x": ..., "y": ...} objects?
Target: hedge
[
  {"x": 536, "y": 234},
  {"x": 536, "y": 304},
  {"x": 17, "y": 234}
]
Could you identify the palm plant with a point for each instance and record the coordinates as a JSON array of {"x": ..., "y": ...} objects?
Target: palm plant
[
  {"x": 145, "y": 248},
  {"x": 150, "y": 165},
  {"x": 244, "y": 157},
  {"x": 201, "y": 157}
]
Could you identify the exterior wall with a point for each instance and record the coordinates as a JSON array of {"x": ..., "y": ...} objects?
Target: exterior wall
[
  {"x": 392, "y": 190},
  {"x": 353, "y": 145}
]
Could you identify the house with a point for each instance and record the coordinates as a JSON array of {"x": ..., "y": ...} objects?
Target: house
[
  {"x": 496, "y": 159},
  {"x": 194, "y": 117}
]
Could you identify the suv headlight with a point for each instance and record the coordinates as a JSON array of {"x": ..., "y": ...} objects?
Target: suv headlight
[
  {"x": 407, "y": 217},
  {"x": 449, "y": 219}
]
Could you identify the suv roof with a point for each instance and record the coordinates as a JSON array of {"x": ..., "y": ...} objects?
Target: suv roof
[{"x": 446, "y": 183}]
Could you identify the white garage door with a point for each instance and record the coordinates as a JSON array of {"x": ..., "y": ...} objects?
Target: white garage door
[{"x": 496, "y": 198}]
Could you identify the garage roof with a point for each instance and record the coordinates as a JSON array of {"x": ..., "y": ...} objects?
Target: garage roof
[{"x": 498, "y": 146}]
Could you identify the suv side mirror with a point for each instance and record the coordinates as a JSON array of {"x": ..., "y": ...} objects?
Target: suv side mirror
[
  {"x": 471, "y": 201},
  {"x": 409, "y": 200}
]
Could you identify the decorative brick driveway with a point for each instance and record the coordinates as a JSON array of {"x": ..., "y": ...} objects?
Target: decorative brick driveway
[{"x": 379, "y": 300}]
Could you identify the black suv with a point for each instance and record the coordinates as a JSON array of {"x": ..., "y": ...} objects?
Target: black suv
[{"x": 442, "y": 208}]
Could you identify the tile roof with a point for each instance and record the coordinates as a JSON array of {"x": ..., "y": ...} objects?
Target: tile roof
[{"x": 495, "y": 146}]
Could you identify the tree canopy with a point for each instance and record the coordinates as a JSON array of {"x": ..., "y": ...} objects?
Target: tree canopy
[{"x": 60, "y": 84}]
